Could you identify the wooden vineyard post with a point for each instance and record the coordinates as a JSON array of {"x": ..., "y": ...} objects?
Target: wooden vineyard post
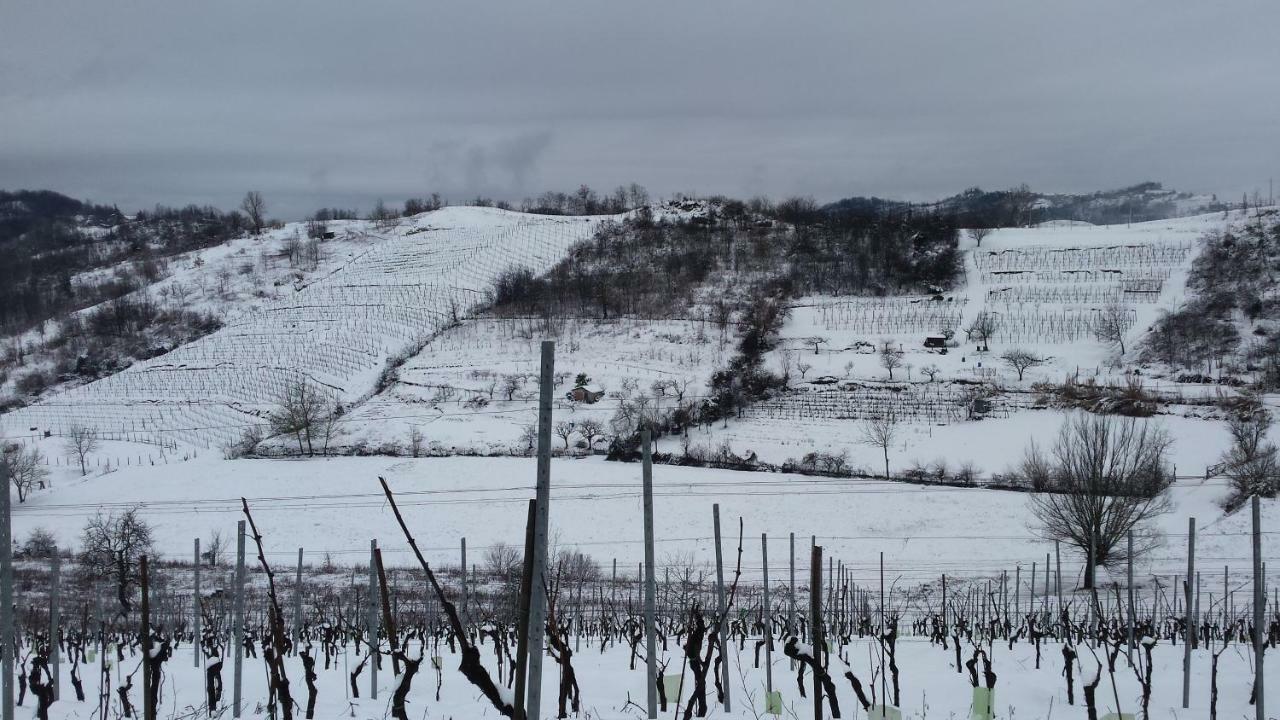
[
  {"x": 6, "y": 597},
  {"x": 538, "y": 598},
  {"x": 1189, "y": 640},
  {"x": 767, "y": 616},
  {"x": 235, "y": 643},
  {"x": 371, "y": 620},
  {"x": 297, "y": 602},
  {"x": 1259, "y": 605},
  {"x": 522, "y": 630},
  {"x": 650, "y": 580},
  {"x": 721, "y": 615},
  {"x": 195, "y": 607},
  {"x": 148, "y": 709},
  {"x": 55, "y": 622},
  {"x": 815, "y": 622}
]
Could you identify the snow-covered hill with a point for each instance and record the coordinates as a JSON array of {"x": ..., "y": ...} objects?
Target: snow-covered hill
[{"x": 390, "y": 291}]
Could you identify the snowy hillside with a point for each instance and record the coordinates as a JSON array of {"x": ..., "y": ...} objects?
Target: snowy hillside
[{"x": 393, "y": 290}]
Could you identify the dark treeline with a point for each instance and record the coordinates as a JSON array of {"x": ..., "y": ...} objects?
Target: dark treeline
[
  {"x": 47, "y": 239},
  {"x": 1232, "y": 278}
]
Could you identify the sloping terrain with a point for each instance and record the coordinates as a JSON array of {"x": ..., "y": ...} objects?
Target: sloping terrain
[{"x": 337, "y": 331}]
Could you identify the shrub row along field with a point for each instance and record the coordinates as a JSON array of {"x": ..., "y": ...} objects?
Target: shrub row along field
[{"x": 336, "y": 333}]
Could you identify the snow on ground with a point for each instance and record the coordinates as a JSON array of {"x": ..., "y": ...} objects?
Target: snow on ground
[
  {"x": 336, "y": 330},
  {"x": 454, "y": 391},
  {"x": 930, "y": 685},
  {"x": 334, "y": 506}
]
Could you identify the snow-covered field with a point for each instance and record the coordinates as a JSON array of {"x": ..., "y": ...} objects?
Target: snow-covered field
[
  {"x": 337, "y": 331},
  {"x": 931, "y": 687}
]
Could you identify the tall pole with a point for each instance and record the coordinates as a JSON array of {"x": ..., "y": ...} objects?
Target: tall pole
[
  {"x": 55, "y": 623},
  {"x": 148, "y": 709},
  {"x": 1259, "y": 602},
  {"x": 815, "y": 622},
  {"x": 1191, "y": 621},
  {"x": 466, "y": 604},
  {"x": 6, "y": 597},
  {"x": 522, "y": 631},
  {"x": 767, "y": 616},
  {"x": 791, "y": 611},
  {"x": 236, "y": 642},
  {"x": 720, "y": 617},
  {"x": 297, "y": 601},
  {"x": 1057, "y": 580},
  {"x": 371, "y": 620},
  {"x": 650, "y": 578},
  {"x": 1133, "y": 616},
  {"x": 195, "y": 609},
  {"x": 537, "y": 597}
]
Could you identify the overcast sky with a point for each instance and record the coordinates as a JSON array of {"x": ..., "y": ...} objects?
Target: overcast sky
[{"x": 334, "y": 102}]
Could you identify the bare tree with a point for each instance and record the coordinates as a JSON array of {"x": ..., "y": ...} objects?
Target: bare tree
[
  {"x": 415, "y": 441},
  {"x": 1104, "y": 477},
  {"x": 81, "y": 442},
  {"x": 110, "y": 548},
  {"x": 880, "y": 432},
  {"x": 256, "y": 209},
  {"x": 303, "y": 411},
  {"x": 215, "y": 549},
  {"x": 591, "y": 429},
  {"x": 931, "y": 372},
  {"x": 982, "y": 328},
  {"x": 503, "y": 560},
  {"x": 565, "y": 430},
  {"x": 804, "y": 368},
  {"x": 1113, "y": 322},
  {"x": 816, "y": 342},
  {"x": 1022, "y": 360},
  {"x": 979, "y": 234},
  {"x": 890, "y": 359},
  {"x": 511, "y": 384},
  {"x": 1252, "y": 463},
  {"x": 25, "y": 468}
]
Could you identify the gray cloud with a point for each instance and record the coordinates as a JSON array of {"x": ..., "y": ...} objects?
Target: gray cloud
[{"x": 321, "y": 102}]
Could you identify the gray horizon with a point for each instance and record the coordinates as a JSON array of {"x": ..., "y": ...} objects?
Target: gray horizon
[{"x": 322, "y": 103}]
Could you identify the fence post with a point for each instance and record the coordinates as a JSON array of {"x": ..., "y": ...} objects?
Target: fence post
[
  {"x": 195, "y": 608},
  {"x": 1259, "y": 601},
  {"x": 650, "y": 578},
  {"x": 1057, "y": 580},
  {"x": 55, "y": 621},
  {"x": 1189, "y": 640},
  {"x": 720, "y": 620},
  {"x": 148, "y": 709},
  {"x": 767, "y": 615},
  {"x": 236, "y": 648},
  {"x": 297, "y": 602},
  {"x": 466, "y": 605},
  {"x": 1133, "y": 616},
  {"x": 815, "y": 621},
  {"x": 371, "y": 621},
  {"x": 522, "y": 630},
  {"x": 538, "y": 597},
  {"x": 6, "y": 597}
]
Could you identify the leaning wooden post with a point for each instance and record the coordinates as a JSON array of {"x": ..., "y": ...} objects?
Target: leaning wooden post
[
  {"x": 538, "y": 597},
  {"x": 1259, "y": 605},
  {"x": 1189, "y": 640},
  {"x": 650, "y": 579},
  {"x": 721, "y": 616},
  {"x": 522, "y": 628},
  {"x": 297, "y": 602},
  {"x": 236, "y": 642}
]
